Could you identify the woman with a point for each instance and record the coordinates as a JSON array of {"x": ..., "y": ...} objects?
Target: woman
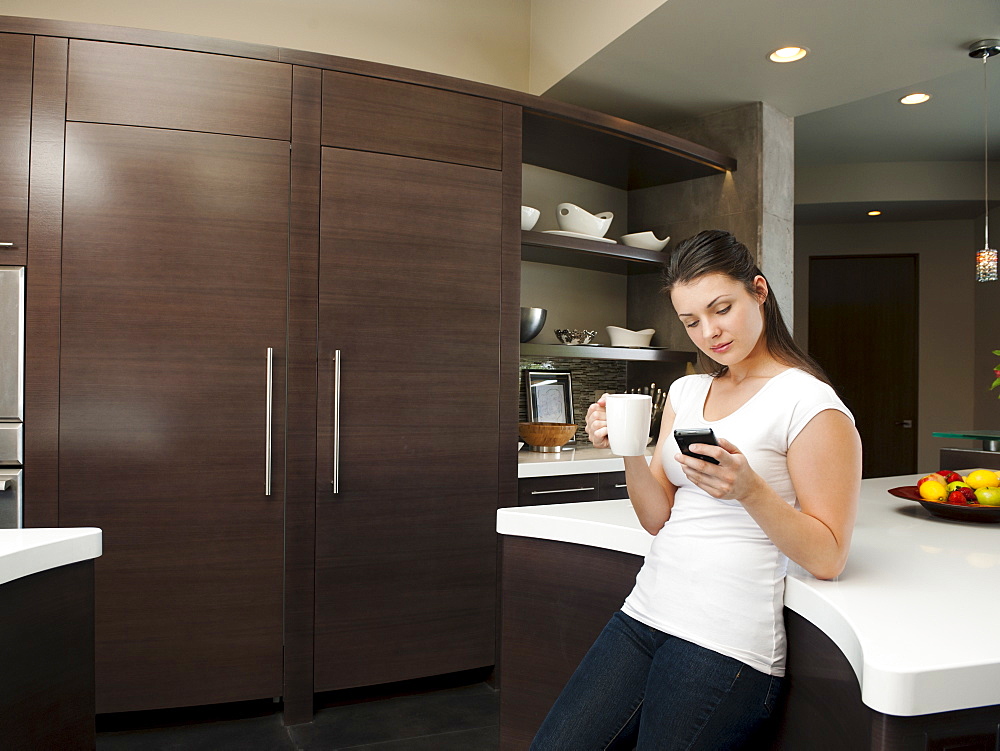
[{"x": 695, "y": 657}]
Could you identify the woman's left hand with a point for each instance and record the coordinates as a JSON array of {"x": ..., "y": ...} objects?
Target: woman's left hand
[{"x": 731, "y": 479}]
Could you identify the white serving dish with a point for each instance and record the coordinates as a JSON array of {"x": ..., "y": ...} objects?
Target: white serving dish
[
  {"x": 529, "y": 217},
  {"x": 627, "y": 338},
  {"x": 580, "y": 235},
  {"x": 645, "y": 240},
  {"x": 574, "y": 219}
]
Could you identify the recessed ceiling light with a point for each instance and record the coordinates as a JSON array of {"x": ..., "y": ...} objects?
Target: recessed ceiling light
[
  {"x": 914, "y": 98},
  {"x": 875, "y": 213},
  {"x": 788, "y": 54}
]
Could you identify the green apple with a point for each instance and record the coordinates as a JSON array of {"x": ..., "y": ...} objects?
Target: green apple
[
  {"x": 988, "y": 496},
  {"x": 957, "y": 484}
]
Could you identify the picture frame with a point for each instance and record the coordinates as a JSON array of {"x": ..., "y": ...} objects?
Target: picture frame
[{"x": 549, "y": 395}]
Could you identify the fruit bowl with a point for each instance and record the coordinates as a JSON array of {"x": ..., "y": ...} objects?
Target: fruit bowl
[
  {"x": 971, "y": 513},
  {"x": 546, "y": 436}
]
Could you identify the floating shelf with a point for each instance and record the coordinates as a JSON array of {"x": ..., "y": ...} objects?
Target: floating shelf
[
  {"x": 559, "y": 250},
  {"x": 607, "y": 353}
]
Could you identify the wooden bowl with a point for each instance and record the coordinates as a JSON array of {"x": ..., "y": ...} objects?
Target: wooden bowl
[{"x": 549, "y": 435}]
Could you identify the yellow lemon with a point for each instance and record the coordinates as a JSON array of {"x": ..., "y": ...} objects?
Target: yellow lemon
[
  {"x": 932, "y": 490},
  {"x": 983, "y": 478}
]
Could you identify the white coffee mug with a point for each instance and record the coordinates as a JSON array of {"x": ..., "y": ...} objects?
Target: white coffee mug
[{"x": 628, "y": 422}]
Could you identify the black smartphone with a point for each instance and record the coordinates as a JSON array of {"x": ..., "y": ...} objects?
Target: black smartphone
[{"x": 685, "y": 438}]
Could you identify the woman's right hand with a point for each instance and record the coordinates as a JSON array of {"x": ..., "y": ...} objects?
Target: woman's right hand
[{"x": 597, "y": 424}]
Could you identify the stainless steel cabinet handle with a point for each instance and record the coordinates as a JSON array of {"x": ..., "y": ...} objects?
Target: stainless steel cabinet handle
[
  {"x": 7, "y": 245},
  {"x": 267, "y": 442},
  {"x": 336, "y": 421},
  {"x": 621, "y": 485},
  {"x": 561, "y": 490},
  {"x": 5, "y": 485}
]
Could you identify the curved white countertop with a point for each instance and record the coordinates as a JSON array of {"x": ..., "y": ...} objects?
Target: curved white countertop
[
  {"x": 916, "y": 611},
  {"x": 30, "y": 551},
  {"x": 578, "y": 461}
]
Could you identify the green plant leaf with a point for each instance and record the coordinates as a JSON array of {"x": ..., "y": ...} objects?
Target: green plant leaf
[
  {"x": 995, "y": 384},
  {"x": 996, "y": 352}
]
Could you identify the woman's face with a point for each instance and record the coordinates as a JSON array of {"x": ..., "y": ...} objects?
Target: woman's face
[{"x": 722, "y": 319}]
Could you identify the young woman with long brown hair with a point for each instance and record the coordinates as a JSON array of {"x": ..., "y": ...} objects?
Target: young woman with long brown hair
[{"x": 695, "y": 657}]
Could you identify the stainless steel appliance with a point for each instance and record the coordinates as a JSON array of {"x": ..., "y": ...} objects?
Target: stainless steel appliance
[{"x": 11, "y": 395}]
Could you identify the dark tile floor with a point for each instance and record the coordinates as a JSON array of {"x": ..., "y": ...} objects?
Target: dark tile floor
[{"x": 433, "y": 715}]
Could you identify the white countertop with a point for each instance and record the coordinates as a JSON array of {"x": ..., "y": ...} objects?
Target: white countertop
[
  {"x": 578, "y": 461},
  {"x": 916, "y": 611},
  {"x": 30, "y": 551}
]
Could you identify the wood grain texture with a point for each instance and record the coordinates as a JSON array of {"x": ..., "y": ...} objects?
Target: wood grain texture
[
  {"x": 410, "y": 295},
  {"x": 300, "y": 502},
  {"x": 129, "y": 85},
  {"x": 557, "y": 598},
  {"x": 174, "y": 284},
  {"x": 534, "y": 491},
  {"x": 41, "y": 366},
  {"x": 370, "y": 114},
  {"x": 47, "y": 654},
  {"x": 15, "y": 141},
  {"x": 650, "y": 145}
]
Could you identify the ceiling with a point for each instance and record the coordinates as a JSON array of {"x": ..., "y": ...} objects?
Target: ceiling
[{"x": 692, "y": 57}]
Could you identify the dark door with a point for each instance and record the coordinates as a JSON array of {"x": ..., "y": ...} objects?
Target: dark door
[
  {"x": 863, "y": 332},
  {"x": 173, "y": 287},
  {"x": 409, "y": 295},
  {"x": 15, "y": 137}
]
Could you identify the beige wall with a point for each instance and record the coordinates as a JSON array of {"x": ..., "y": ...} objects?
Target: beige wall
[
  {"x": 891, "y": 181},
  {"x": 471, "y": 39},
  {"x": 947, "y": 325},
  {"x": 566, "y": 33}
]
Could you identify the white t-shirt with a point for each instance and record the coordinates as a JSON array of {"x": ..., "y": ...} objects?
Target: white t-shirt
[{"x": 712, "y": 577}]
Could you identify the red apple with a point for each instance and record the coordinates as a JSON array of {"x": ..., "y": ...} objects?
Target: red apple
[
  {"x": 935, "y": 476},
  {"x": 949, "y": 475}
]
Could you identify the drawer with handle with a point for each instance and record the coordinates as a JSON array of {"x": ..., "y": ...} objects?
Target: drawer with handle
[
  {"x": 535, "y": 491},
  {"x": 611, "y": 486}
]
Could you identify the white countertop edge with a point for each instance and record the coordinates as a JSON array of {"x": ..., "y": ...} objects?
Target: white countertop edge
[
  {"x": 584, "y": 459},
  {"x": 889, "y": 685},
  {"x": 24, "y": 552}
]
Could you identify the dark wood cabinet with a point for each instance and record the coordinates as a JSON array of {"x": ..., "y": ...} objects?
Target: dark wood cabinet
[
  {"x": 194, "y": 202},
  {"x": 391, "y": 117},
  {"x": 162, "y": 88},
  {"x": 174, "y": 277},
  {"x": 596, "y": 486},
  {"x": 15, "y": 142},
  {"x": 409, "y": 295}
]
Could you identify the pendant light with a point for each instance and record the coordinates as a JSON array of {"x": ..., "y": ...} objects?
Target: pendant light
[{"x": 986, "y": 259}]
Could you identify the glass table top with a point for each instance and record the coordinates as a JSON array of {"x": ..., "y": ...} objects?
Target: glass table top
[{"x": 972, "y": 435}]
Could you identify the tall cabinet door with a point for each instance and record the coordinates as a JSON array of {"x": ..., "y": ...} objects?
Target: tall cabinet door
[
  {"x": 15, "y": 139},
  {"x": 409, "y": 299},
  {"x": 171, "y": 412}
]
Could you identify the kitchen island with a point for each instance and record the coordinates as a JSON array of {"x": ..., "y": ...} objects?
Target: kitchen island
[
  {"x": 901, "y": 651},
  {"x": 47, "y": 638}
]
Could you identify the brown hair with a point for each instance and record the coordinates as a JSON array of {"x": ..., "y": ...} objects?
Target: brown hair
[{"x": 717, "y": 252}]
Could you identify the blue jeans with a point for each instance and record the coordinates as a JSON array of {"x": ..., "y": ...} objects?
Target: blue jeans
[{"x": 640, "y": 688}]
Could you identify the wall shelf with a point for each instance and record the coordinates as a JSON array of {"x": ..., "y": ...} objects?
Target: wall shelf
[
  {"x": 559, "y": 250},
  {"x": 607, "y": 353}
]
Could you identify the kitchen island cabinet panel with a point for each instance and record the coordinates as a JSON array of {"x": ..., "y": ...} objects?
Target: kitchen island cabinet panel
[
  {"x": 410, "y": 298},
  {"x": 163, "y": 88},
  {"x": 15, "y": 141},
  {"x": 174, "y": 276},
  {"x": 390, "y": 117}
]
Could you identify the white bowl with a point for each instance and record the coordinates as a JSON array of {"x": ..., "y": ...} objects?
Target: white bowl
[
  {"x": 627, "y": 338},
  {"x": 574, "y": 219},
  {"x": 529, "y": 216},
  {"x": 645, "y": 240}
]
